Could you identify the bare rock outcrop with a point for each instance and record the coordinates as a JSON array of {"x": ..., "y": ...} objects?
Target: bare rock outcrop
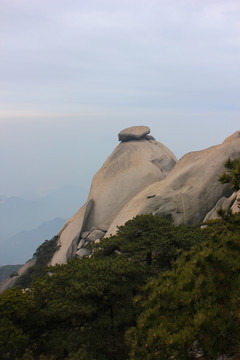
[
  {"x": 236, "y": 205},
  {"x": 190, "y": 190},
  {"x": 133, "y": 133},
  {"x": 230, "y": 203},
  {"x": 69, "y": 235},
  {"x": 143, "y": 176},
  {"x": 131, "y": 167},
  {"x": 136, "y": 163}
]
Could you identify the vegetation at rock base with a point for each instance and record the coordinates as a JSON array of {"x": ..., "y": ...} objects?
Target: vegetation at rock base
[
  {"x": 153, "y": 291},
  {"x": 42, "y": 255},
  {"x": 232, "y": 175},
  {"x": 17, "y": 317},
  {"x": 87, "y": 305},
  {"x": 45, "y": 251},
  {"x": 150, "y": 241},
  {"x": 194, "y": 308},
  {"x": 8, "y": 271},
  {"x": 128, "y": 298}
]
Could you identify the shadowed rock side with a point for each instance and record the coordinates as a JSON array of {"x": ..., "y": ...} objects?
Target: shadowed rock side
[
  {"x": 132, "y": 166},
  {"x": 69, "y": 235},
  {"x": 236, "y": 205},
  {"x": 133, "y": 133},
  {"x": 190, "y": 190},
  {"x": 231, "y": 203},
  {"x": 141, "y": 177}
]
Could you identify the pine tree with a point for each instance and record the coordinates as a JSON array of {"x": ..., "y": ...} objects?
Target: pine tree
[
  {"x": 150, "y": 241},
  {"x": 232, "y": 175},
  {"x": 193, "y": 309}
]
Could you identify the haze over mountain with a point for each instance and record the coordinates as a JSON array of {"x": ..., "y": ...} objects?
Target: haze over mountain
[
  {"x": 20, "y": 247},
  {"x": 141, "y": 176},
  {"x": 75, "y": 73},
  {"x": 37, "y": 218},
  {"x": 7, "y": 270}
]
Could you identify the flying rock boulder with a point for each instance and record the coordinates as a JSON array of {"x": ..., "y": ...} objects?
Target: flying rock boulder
[
  {"x": 133, "y": 133},
  {"x": 190, "y": 190},
  {"x": 133, "y": 165},
  {"x": 138, "y": 161}
]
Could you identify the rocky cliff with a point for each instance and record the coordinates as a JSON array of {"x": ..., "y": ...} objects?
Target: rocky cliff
[
  {"x": 190, "y": 190},
  {"x": 143, "y": 176},
  {"x": 138, "y": 161}
]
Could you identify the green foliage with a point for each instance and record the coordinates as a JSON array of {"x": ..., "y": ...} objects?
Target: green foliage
[
  {"x": 17, "y": 314},
  {"x": 16, "y": 304},
  {"x": 83, "y": 308},
  {"x": 150, "y": 241},
  {"x": 8, "y": 271},
  {"x": 25, "y": 281},
  {"x": 80, "y": 354},
  {"x": 13, "y": 340},
  {"x": 232, "y": 175},
  {"x": 193, "y": 309},
  {"x": 88, "y": 301},
  {"x": 29, "y": 355},
  {"x": 13, "y": 274},
  {"x": 46, "y": 250},
  {"x": 43, "y": 256},
  {"x": 174, "y": 290}
]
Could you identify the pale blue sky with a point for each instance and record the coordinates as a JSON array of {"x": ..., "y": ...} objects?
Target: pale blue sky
[{"x": 74, "y": 73}]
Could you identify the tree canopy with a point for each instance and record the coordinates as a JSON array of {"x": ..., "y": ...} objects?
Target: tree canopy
[
  {"x": 232, "y": 174},
  {"x": 152, "y": 291},
  {"x": 86, "y": 305},
  {"x": 193, "y": 309}
]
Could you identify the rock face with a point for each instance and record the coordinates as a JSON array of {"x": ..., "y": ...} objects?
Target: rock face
[
  {"x": 69, "y": 235},
  {"x": 135, "y": 163},
  {"x": 131, "y": 167},
  {"x": 133, "y": 133},
  {"x": 140, "y": 176},
  {"x": 143, "y": 176},
  {"x": 10, "y": 282},
  {"x": 94, "y": 235},
  {"x": 231, "y": 203},
  {"x": 190, "y": 190},
  {"x": 236, "y": 205}
]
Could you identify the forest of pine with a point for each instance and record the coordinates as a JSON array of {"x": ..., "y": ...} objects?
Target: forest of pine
[{"x": 152, "y": 291}]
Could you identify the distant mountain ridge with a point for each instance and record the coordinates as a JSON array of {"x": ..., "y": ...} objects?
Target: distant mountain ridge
[
  {"x": 18, "y": 214},
  {"x": 20, "y": 247},
  {"x": 7, "y": 270},
  {"x": 23, "y": 218}
]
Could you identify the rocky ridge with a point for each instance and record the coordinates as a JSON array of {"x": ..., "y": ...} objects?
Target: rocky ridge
[
  {"x": 137, "y": 162},
  {"x": 190, "y": 190},
  {"x": 143, "y": 176}
]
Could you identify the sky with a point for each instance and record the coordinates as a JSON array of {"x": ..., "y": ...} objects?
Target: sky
[{"x": 74, "y": 73}]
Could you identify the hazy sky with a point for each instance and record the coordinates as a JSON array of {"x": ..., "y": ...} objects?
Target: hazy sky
[{"x": 74, "y": 73}]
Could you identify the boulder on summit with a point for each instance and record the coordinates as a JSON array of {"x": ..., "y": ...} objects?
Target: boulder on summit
[
  {"x": 143, "y": 176},
  {"x": 133, "y": 133},
  {"x": 140, "y": 177},
  {"x": 190, "y": 190},
  {"x": 133, "y": 165}
]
